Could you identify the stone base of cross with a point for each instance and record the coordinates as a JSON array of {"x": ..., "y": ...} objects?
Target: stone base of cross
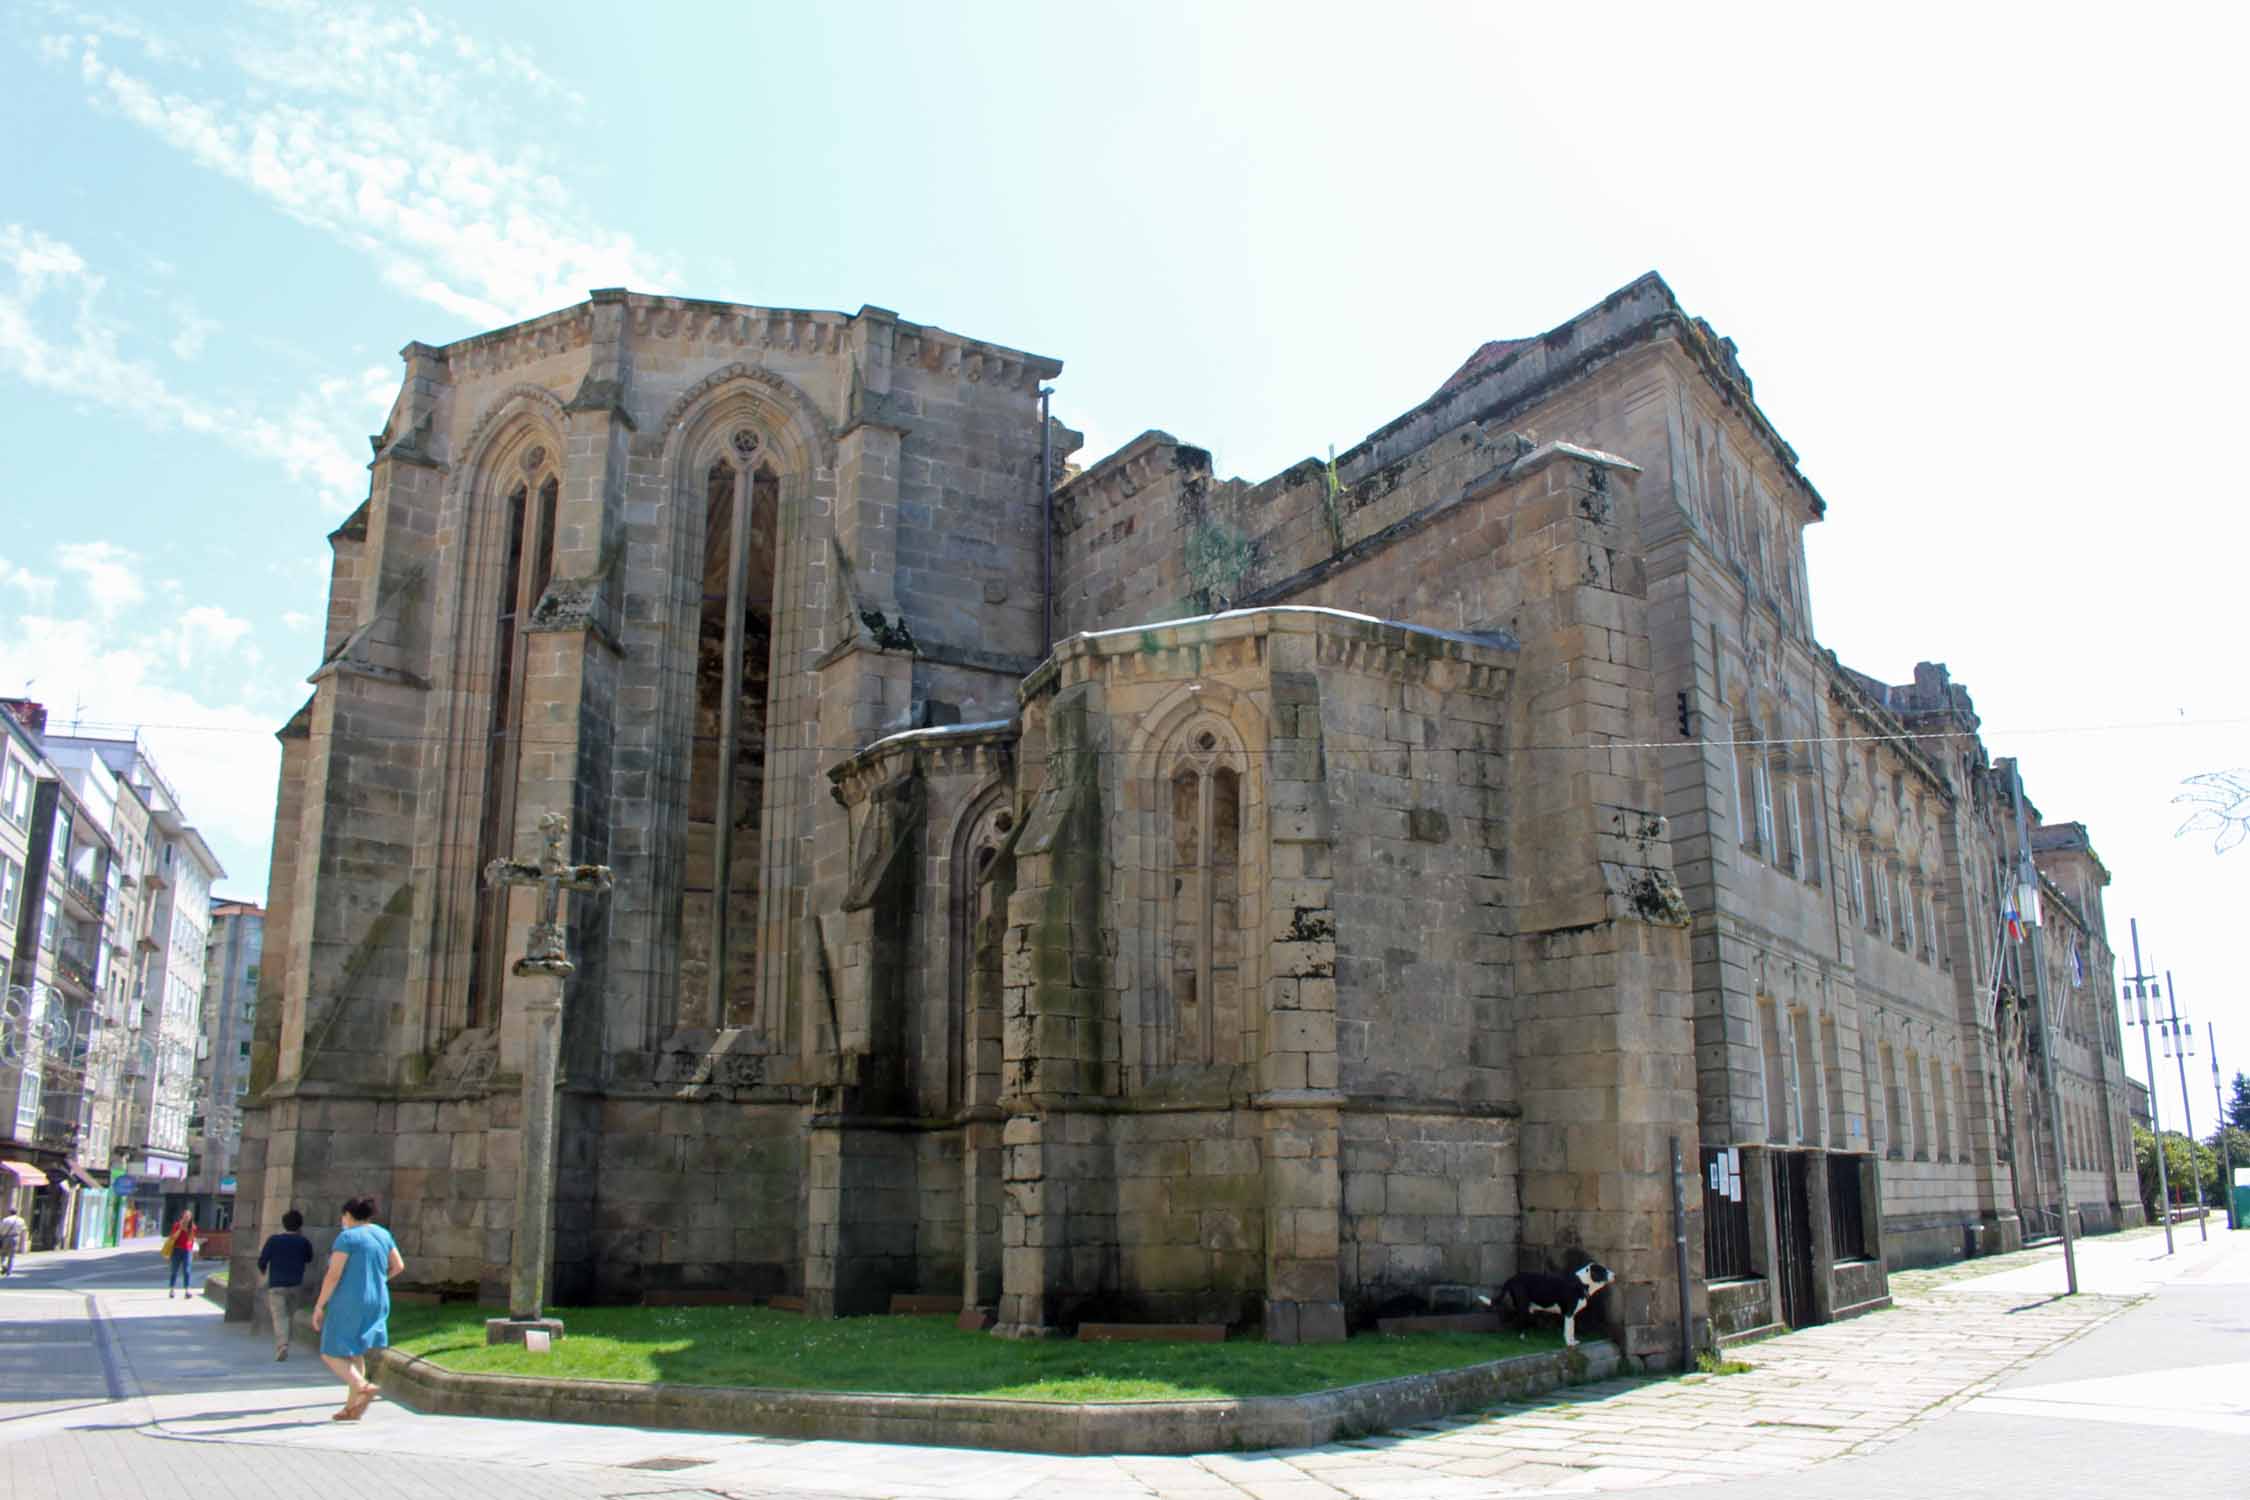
[{"x": 546, "y": 956}]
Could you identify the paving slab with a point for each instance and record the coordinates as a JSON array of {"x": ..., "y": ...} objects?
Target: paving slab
[{"x": 208, "y": 1407}]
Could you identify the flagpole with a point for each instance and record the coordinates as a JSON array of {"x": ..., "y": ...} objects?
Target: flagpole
[{"x": 2027, "y": 906}]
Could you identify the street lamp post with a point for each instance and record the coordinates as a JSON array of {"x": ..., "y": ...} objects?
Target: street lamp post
[
  {"x": 2179, "y": 1043},
  {"x": 2226, "y": 1138},
  {"x": 2141, "y": 988}
]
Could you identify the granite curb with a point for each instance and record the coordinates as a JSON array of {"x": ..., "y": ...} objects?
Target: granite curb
[{"x": 1242, "y": 1424}]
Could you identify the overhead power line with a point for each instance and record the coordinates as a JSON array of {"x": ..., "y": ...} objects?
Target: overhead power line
[{"x": 97, "y": 730}]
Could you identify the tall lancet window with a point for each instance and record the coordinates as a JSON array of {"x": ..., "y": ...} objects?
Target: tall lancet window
[
  {"x": 526, "y": 563},
  {"x": 727, "y": 760},
  {"x": 1204, "y": 1021}
]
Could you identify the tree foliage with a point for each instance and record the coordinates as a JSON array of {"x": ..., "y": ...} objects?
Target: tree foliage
[
  {"x": 2221, "y": 800},
  {"x": 2194, "y": 1167}
]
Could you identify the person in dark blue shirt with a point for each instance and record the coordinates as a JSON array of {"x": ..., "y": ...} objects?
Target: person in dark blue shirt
[{"x": 284, "y": 1258}]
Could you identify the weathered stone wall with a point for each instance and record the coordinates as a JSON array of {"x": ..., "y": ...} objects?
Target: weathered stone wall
[
  {"x": 698, "y": 1195},
  {"x": 1189, "y": 1206},
  {"x": 623, "y": 400},
  {"x": 1273, "y": 962},
  {"x": 1429, "y": 1201}
]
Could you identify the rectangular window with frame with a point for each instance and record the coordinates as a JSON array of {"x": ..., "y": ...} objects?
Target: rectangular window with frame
[
  {"x": 1944, "y": 1102},
  {"x": 1859, "y": 886},
  {"x": 1894, "y": 1111},
  {"x": 11, "y": 893},
  {"x": 27, "y": 1105},
  {"x": 1871, "y": 1095},
  {"x": 1808, "y": 833},
  {"x": 1745, "y": 796},
  {"x": 1765, "y": 803},
  {"x": 1792, "y": 828}
]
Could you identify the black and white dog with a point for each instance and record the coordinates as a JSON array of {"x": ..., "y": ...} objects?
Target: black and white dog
[{"x": 1545, "y": 1292}]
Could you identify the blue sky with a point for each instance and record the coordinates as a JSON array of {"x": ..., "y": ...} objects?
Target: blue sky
[{"x": 1983, "y": 273}]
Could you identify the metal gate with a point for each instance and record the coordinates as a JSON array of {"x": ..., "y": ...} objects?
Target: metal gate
[
  {"x": 1726, "y": 1217},
  {"x": 1793, "y": 1236}
]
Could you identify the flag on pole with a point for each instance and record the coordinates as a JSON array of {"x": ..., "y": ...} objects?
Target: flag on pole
[
  {"x": 2015, "y": 922},
  {"x": 2077, "y": 966}
]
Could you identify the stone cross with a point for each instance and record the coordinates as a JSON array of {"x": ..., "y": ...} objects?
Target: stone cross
[
  {"x": 545, "y": 956},
  {"x": 544, "y": 952}
]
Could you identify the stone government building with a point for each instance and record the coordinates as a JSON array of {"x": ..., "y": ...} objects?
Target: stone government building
[{"x": 1275, "y": 903}]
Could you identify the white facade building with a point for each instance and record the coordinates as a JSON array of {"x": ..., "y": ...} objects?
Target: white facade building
[{"x": 164, "y": 1014}]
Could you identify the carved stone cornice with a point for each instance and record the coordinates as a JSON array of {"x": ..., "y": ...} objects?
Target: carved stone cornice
[
  {"x": 789, "y": 330},
  {"x": 974, "y": 750},
  {"x": 543, "y": 337},
  {"x": 1476, "y": 662}
]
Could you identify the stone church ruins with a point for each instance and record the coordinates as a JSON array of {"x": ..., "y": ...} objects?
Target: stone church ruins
[{"x": 1156, "y": 896}]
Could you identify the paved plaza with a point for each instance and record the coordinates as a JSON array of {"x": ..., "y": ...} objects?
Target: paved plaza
[{"x": 107, "y": 1387}]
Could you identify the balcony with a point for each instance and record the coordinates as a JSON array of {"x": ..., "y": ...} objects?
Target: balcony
[
  {"x": 87, "y": 891},
  {"x": 77, "y": 964}
]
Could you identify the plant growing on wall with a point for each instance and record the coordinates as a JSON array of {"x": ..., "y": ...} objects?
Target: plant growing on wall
[
  {"x": 1331, "y": 502},
  {"x": 1219, "y": 557}
]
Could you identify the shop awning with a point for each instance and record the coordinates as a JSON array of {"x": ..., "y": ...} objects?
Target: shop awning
[
  {"x": 24, "y": 1172},
  {"x": 78, "y": 1174}
]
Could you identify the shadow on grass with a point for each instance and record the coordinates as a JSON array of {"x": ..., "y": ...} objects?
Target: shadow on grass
[{"x": 751, "y": 1346}]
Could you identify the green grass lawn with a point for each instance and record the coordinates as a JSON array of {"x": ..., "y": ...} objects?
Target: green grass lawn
[{"x": 926, "y": 1356}]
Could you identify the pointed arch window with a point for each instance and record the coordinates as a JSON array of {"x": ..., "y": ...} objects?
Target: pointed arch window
[
  {"x": 526, "y": 548},
  {"x": 723, "y": 873},
  {"x": 1204, "y": 1020}
]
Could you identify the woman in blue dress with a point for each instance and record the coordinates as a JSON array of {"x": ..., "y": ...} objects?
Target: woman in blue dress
[{"x": 353, "y": 1313}]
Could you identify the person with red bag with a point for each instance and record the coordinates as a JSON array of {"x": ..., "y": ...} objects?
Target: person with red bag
[{"x": 179, "y": 1247}]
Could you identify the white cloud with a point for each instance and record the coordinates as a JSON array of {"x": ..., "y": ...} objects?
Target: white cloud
[
  {"x": 489, "y": 235},
  {"x": 54, "y": 335},
  {"x": 296, "y": 621},
  {"x": 37, "y": 588},
  {"x": 110, "y": 574},
  {"x": 207, "y": 630},
  {"x": 156, "y": 48},
  {"x": 195, "y": 330}
]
